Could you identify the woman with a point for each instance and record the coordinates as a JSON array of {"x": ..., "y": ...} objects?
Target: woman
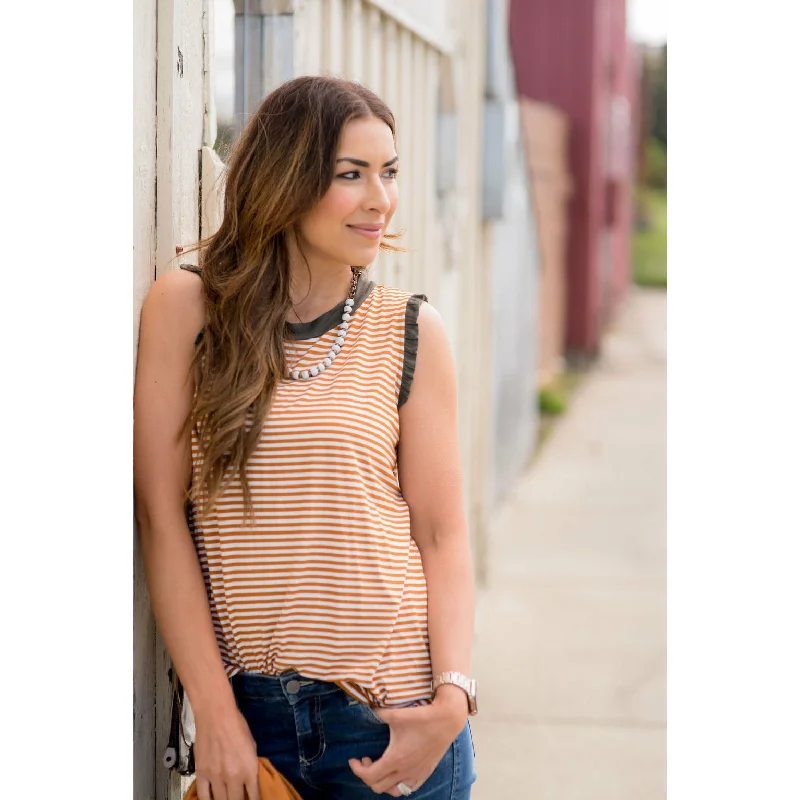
[{"x": 298, "y": 486}]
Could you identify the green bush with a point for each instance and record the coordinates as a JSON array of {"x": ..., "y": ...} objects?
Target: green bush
[
  {"x": 552, "y": 401},
  {"x": 656, "y": 164},
  {"x": 650, "y": 241}
]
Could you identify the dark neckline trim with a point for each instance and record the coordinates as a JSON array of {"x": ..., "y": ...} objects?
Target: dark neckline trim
[
  {"x": 302, "y": 331},
  {"x": 330, "y": 319}
]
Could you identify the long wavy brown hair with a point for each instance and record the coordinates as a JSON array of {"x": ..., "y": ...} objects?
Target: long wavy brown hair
[{"x": 279, "y": 169}]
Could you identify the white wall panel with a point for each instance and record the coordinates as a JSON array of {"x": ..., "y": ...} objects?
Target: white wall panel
[
  {"x": 173, "y": 52},
  {"x": 144, "y": 257},
  {"x": 333, "y": 37}
]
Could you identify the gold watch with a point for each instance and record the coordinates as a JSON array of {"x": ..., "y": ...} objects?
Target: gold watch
[{"x": 469, "y": 686}]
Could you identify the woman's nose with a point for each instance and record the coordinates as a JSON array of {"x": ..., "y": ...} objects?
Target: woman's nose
[{"x": 377, "y": 197}]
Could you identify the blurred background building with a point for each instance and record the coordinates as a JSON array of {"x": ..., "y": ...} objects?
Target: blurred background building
[{"x": 524, "y": 128}]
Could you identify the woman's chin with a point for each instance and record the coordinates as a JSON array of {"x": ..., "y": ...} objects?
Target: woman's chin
[{"x": 362, "y": 256}]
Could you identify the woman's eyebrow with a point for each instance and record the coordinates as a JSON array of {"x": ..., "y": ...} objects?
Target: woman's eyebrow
[{"x": 360, "y": 163}]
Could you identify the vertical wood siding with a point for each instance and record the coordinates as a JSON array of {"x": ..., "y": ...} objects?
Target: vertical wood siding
[
  {"x": 144, "y": 251},
  {"x": 174, "y": 118},
  {"x": 181, "y": 111},
  {"x": 357, "y": 40}
]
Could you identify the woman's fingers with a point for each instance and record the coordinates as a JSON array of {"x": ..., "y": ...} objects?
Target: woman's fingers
[
  {"x": 241, "y": 783},
  {"x": 367, "y": 761},
  {"x": 371, "y": 772},
  {"x": 203, "y": 789},
  {"x": 219, "y": 791},
  {"x": 389, "y": 786},
  {"x": 234, "y": 790},
  {"x": 253, "y": 792},
  {"x": 379, "y": 775}
]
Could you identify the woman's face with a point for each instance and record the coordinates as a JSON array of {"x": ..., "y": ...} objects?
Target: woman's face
[{"x": 346, "y": 226}]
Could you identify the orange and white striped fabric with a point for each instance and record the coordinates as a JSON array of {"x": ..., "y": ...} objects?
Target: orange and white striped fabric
[{"x": 327, "y": 580}]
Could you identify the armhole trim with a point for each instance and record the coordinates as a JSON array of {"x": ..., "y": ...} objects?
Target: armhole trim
[
  {"x": 197, "y": 271},
  {"x": 411, "y": 345}
]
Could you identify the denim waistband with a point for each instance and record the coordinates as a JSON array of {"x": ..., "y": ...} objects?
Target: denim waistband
[{"x": 291, "y": 686}]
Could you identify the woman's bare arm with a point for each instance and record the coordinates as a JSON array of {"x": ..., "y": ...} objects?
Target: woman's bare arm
[
  {"x": 431, "y": 482},
  {"x": 172, "y": 315}
]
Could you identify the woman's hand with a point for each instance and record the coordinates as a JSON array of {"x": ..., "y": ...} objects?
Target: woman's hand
[
  {"x": 225, "y": 758},
  {"x": 418, "y": 740}
]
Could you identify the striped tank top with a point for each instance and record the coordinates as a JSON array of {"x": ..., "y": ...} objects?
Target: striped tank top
[{"x": 327, "y": 580}]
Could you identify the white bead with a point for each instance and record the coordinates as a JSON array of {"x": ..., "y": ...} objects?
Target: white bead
[
  {"x": 304, "y": 374},
  {"x": 349, "y": 301},
  {"x": 326, "y": 362},
  {"x": 336, "y": 349},
  {"x": 344, "y": 326},
  {"x": 320, "y": 368},
  {"x": 295, "y": 374},
  {"x": 331, "y": 355},
  {"x": 340, "y": 340},
  {"x": 314, "y": 372},
  {"x": 345, "y": 317}
]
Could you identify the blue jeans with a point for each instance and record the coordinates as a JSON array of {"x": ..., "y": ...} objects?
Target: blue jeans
[{"x": 309, "y": 730}]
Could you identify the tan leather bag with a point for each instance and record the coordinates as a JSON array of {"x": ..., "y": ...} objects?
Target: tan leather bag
[{"x": 272, "y": 785}]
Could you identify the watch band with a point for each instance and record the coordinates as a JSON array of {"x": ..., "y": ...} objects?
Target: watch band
[{"x": 468, "y": 685}]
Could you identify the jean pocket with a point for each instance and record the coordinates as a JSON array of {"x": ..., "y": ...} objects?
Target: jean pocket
[{"x": 365, "y": 712}]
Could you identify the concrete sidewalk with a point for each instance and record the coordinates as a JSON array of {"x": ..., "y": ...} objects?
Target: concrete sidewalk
[{"x": 570, "y": 648}]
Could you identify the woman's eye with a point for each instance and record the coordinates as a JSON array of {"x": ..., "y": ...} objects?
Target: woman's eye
[{"x": 355, "y": 174}]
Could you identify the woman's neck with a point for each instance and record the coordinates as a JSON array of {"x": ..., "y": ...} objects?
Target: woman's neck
[{"x": 317, "y": 289}]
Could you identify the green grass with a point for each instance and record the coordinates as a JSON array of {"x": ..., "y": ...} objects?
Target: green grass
[
  {"x": 650, "y": 246},
  {"x": 554, "y": 402}
]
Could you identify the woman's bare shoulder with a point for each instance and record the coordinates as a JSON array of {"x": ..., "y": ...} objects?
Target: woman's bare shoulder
[
  {"x": 432, "y": 330},
  {"x": 175, "y": 304}
]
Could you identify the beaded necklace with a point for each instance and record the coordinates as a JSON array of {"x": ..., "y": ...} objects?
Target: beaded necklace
[{"x": 306, "y": 374}]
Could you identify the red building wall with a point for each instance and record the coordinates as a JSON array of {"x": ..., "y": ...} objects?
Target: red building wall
[
  {"x": 575, "y": 55},
  {"x": 624, "y": 86}
]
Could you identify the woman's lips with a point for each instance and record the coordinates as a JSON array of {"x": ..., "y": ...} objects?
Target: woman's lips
[{"x": 369, "y": 231}]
